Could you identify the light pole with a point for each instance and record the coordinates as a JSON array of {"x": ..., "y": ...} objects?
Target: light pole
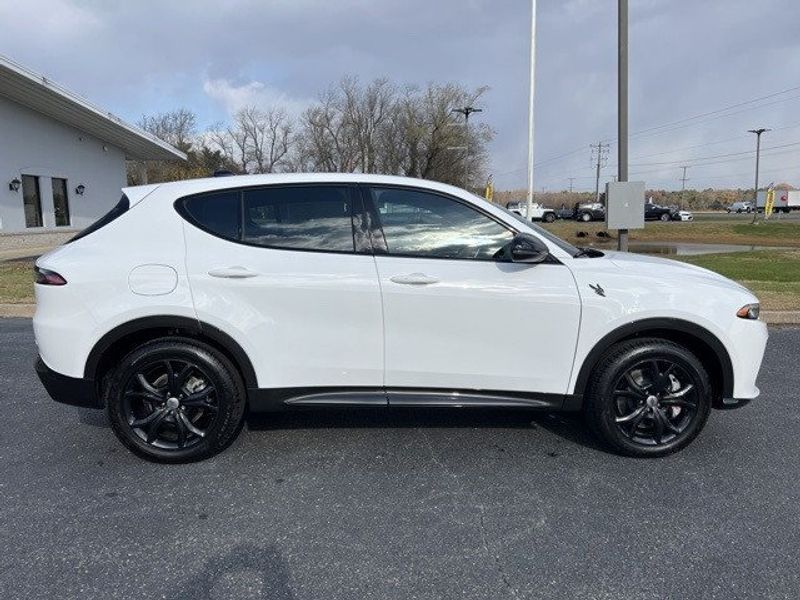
[
  {"x": 530, "y": 107},
  {"x": 758, "y": 133},
  {"x": 622, "y": 106},
  {"x": 466, "y": 111}
]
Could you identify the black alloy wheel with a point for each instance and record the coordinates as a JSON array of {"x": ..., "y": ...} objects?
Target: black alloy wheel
[
  {"x": 648, "y": 397},
  {"x": 170, "y": 403},
  {"x": 176, "y": 400},
  {"x": 654, "y": 402}
]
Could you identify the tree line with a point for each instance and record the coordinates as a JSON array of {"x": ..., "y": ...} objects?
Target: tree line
[{"x": 378, "y": 127}]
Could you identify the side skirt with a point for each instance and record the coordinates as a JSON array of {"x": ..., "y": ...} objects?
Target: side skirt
[{"x": 282, "y": 399}]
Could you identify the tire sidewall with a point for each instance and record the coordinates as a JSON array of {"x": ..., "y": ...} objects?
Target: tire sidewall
[
  {"x": 616, "y": 363},
  {"x": 223, "y": 376}
]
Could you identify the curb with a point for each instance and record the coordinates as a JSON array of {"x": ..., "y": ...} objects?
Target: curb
[{"x": 771, "y": 317}]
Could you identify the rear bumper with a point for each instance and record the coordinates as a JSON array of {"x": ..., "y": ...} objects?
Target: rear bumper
[{"x": 68, "y": 390}]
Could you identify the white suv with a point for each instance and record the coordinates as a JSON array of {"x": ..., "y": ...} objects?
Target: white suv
[{"x": 192, "y": 302}]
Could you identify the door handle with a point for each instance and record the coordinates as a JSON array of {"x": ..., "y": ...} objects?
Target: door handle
[
  {"x": 235, "y": 272},
  {"x": 414, "y": 279}
]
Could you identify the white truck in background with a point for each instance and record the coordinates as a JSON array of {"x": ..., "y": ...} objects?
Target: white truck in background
[
  {"x": 538, "y": 212},
  {"x": 785, "y": 201}
]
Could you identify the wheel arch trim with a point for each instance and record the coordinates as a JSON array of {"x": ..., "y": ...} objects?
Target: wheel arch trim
[
  {"x": 654, "y": 325},
  {"x": 161, "y": 322}
]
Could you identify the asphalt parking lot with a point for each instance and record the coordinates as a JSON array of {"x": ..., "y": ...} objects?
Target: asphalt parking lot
[{"x": 487, "y": 505}]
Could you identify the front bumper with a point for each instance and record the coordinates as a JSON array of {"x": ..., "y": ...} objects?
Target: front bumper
[{"x": 68, "y": 390}]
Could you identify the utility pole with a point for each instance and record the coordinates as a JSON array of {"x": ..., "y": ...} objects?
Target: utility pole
[
  {"x": 571, "y": 179},
  {"x": 602, "y": 150},
  {"x": 530, "y": 108},
  {"x": 684, "y": 179},
  {"x": 758, "y": 133},
  {"x": 466, "y": 111},
  {"x": 622, "y": 105}
]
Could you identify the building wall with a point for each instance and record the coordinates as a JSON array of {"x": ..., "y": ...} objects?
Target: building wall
[{"x": 32, "y": 144}]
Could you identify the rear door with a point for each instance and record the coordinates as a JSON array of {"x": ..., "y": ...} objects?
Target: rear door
[
  {"x": 455, "y": 317},
  {"x": 277, "y": 267}
]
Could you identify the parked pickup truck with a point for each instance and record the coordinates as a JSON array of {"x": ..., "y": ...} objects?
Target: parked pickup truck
[{"x": 538, "y": 212}]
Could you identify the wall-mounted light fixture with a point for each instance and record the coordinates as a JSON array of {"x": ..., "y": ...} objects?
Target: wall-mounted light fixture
[
  {"x": 14, "y": 184},
  {"x": 80, "y": 189}
]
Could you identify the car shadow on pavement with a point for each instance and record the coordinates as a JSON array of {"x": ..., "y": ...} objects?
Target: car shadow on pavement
[
  {"x": 246, "y": 571},
  {"x": 567, "y": 426}
]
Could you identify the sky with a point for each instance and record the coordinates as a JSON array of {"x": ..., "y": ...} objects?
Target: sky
[{"x": 707, "y": 69}]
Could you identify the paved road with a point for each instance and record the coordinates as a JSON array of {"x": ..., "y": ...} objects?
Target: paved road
[{"x": 427, "y": 506}]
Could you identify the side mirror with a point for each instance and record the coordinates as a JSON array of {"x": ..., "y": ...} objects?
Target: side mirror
[{"x": 526, "y": 248}]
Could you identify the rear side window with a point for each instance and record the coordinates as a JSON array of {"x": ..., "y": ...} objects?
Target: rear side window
[
  {"x": 318, "y": 217},
  {"x": 218, "y": 213},
  {"x": 119, "y": 209}
]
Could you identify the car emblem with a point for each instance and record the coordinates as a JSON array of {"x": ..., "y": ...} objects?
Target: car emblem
[{"x": 598, "y": 289}]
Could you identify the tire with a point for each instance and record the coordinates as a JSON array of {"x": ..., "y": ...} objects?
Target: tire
[
  {"x": 549, "y": 217},
  {"x": 585, "y": 217},
  {"x": 682, "y": 390},
  {"x": 738, "y": 211},
  {"x": 193, "y": 414},
  {"x": 664, "y": 218}
]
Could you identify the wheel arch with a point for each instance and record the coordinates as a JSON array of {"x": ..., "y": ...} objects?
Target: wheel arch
[
  {"x": 123, "y": 338},
  {"x": 704, "y": 344}
]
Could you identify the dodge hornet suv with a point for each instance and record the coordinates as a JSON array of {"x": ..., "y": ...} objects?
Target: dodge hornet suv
[{"x": 194, "y": 302}]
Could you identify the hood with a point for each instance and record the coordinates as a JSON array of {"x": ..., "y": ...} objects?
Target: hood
[{"x": 665, "y": 268}]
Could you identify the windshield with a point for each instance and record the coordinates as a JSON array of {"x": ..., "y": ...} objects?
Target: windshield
[{"x": 565, "y": 246}]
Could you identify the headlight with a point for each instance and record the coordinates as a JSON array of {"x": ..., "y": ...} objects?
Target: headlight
[{"x": 749, "y": 311}]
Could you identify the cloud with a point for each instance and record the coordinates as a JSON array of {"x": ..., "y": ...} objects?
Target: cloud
[{"x": 234, "y": 97}]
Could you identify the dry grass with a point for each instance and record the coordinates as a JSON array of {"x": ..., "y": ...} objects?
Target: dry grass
[
  {"x": 761, "y": 234},
  {"x": 16, "y": 282}
]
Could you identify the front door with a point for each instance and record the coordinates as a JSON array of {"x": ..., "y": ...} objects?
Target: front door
[{"x": 455, "y": 317}]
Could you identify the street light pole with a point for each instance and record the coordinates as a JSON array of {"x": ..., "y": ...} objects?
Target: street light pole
[
  {"x": 466, "y": 111},
  {"x": 530, "y": 108},
  {"x": 758, "y": 133},
  {"x": 622, "y": 105}
]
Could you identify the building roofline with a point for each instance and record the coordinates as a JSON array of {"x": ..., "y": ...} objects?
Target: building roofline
[{"x": 38, "y": 93}]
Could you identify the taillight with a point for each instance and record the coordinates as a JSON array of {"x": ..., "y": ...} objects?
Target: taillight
[{"x": 47, "y": 277}]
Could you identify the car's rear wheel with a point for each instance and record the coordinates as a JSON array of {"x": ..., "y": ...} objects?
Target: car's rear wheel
[
  {"x": 648, "y": 397},
  {"x": 585, "y": 217},
  {"x": 549, "y": 217},
  {"x": 176, "y": 400},
  {"x": 665, "y": 217}
]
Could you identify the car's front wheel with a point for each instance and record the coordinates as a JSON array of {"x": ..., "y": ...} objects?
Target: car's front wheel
[
  {"x": 665, "y": 217},
  {"x": 549, "y": 217},
  {"x": 585, "y": 217},
  {"x": 176, "y": 400},
  {"x": 648, "y": 397}
]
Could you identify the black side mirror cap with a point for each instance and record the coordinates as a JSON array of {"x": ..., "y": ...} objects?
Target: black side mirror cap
[{"x": 526, "y": 248}]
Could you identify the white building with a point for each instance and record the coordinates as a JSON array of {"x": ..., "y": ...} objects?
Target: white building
[{"x": 62, "y": 160}]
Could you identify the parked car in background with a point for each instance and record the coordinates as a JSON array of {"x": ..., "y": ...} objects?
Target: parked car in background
[
  {"x": 538, "y": 212},
  {"x": 682, "y": 215},
  {"x": 565, "y": 212},
  {"x": 655, "y": 212},
  {"x": 590, "y": 212},
  {"x": 740, "y": 207},
  {"x": 294, "y": 291}
]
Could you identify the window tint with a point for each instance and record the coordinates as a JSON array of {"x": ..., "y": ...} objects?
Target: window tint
[
  {"x": 418, "y": 223},
  {"x": 218, "y": 212},
  {"x": 298, "y": 217},
  {"x": 60, "y": 202},
  {"x": 32, "y": 201}
]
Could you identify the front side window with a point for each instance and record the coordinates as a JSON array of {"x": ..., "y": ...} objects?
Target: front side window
[
  {"x": 60, "y": 202},
  {"x": 32, "y": 201},
  {"x": 299, "y": 217},
  {"x": 427, "y": 225}
]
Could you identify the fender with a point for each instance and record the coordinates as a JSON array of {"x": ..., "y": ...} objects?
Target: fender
[
  {"x": 193, "y": 326},
  {"x": 654, "y": 327}
]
